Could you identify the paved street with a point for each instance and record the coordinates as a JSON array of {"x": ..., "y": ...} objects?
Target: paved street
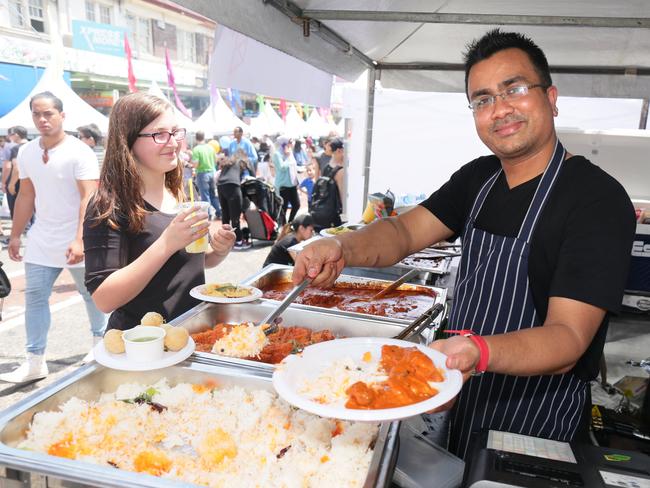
[{"x": 69, "y": 338}]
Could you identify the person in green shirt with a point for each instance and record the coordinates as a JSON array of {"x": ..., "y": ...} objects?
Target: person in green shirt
[{"x": 203, "y": 156}]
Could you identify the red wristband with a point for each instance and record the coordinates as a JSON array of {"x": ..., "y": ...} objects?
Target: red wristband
[{"x": 484, "y": 350}]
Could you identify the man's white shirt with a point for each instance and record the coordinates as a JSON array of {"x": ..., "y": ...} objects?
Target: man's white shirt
[{"x": 57, "y": 197}]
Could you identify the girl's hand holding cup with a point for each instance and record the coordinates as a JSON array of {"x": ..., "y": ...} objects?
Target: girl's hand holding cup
[{"x": 189, "y": 228}]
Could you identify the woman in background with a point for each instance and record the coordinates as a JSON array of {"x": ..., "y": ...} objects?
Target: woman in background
[
  {"x": 301, "y": 229},
  {"x": 286, "y": 179}
]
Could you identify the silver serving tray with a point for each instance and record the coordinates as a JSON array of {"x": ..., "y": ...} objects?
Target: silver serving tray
[
  {"x": 89, "y": 381},
  {"x": 277, "y": 273},
  {"x": 207, "y": 315}
]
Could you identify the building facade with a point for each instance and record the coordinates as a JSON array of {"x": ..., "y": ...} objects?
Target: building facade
[{"x": 91, "y": 35}]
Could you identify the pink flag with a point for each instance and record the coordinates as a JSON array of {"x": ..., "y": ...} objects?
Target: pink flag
[
  {"x": 283, "y": 108},
  {"x": 127, "y": 50},
  {"x": 172, "y": 84}
]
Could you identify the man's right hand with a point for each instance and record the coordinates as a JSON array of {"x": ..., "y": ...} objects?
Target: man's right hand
[
  {"x": 14, "y": 249},
  {"x": 321, "y": 261}
]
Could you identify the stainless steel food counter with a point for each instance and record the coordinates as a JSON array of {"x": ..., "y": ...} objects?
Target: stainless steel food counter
[
  {"x": 89, "y": 381},
  {"x": 207, "y": 315},
  {"x": 276, "y": 273}
]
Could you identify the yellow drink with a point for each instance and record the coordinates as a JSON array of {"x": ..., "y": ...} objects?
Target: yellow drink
[{"x": 199, "y": 245}]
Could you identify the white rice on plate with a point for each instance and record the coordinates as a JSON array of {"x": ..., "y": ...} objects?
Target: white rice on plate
[
  {"x": 222, "y": 437},
  {"x": 335, "y": 377}
]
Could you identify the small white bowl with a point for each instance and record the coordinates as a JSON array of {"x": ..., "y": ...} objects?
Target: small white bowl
[{"x": 144, "y": 343}]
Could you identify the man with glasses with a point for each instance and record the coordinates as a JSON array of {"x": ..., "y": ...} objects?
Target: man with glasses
[
  {"x": 546, "y": 239},
  {"x": 203, "y": 156},
  {"x": 58, "y": 174}
]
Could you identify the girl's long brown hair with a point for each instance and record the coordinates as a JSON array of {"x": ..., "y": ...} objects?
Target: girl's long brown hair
[{"x": 119, "y": 197}]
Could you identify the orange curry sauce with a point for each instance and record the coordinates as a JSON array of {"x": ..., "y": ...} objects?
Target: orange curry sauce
[
  {"x": 402, "y": 304},
  {"x": 409, "y": 372}
]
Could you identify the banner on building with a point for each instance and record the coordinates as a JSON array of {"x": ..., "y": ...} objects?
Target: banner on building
[{"x": 98, "y": 38}]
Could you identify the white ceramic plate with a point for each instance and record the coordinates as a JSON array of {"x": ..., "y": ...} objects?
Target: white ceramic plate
[
  {"x": 120, "y": 361},
  {"x": 325, "y": 233},
  {"x": 197, "y": 292},
  {"x": 298, "y": 370}
]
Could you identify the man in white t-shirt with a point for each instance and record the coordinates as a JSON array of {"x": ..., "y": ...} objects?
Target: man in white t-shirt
[{"x": 58, "y": 174}]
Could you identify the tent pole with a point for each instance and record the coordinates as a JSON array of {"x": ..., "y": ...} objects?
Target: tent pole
[
  {"x": 372, "y": 78},
  {"x": 643, "y": 123}
]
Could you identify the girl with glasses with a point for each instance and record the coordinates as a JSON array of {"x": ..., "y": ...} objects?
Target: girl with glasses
[{"x": 133, "y": 235}]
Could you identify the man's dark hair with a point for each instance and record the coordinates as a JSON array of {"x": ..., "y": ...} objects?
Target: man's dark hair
[
  {"x": 495, "y": 40},
  {"x": 238, "y": 129},
  {"x": 58, "y": 104},
  {"x": 336, "y": 144},
  {"x": 19, "y": 130},
  {"x": 199, "y": 136}
]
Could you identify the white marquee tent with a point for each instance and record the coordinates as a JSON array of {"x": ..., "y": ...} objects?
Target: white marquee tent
[
  {"x": 268, "y": 122},
  {"x": 295, "y": 126},
  {"x": 77, "y": 111},
  {"x": 316, "y": 126},
  {"x": 218, "y": 119}
]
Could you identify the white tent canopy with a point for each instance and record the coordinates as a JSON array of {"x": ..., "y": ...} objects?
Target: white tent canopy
[
  {"x": 77, "y": 111},
  {"x": 268, "y": 122},
  {"x": 183, "y": 120},
  {"x": 295, "y": 126},
  {"x": 418, "y": 44},
  {"x": 218, "y": 119},
  {"x": 316, "y": 126}
]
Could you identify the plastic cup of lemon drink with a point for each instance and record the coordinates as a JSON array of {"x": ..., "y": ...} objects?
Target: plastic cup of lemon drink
[{"x": 201, "y": 244}]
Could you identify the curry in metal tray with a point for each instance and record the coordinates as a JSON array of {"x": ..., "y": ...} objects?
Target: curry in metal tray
[{"x": 400, "y": 304}]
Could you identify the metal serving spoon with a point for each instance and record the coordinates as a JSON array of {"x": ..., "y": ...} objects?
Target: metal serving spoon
[{"x": 273, "y": 317}]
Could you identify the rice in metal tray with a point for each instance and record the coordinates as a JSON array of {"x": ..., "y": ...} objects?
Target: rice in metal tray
[{"x": 203, "y": 434}]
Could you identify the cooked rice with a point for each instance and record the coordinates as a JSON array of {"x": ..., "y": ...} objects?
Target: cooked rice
[
  {"x": 245, "y": 340},
  {"x": 222, "y": 437},
  {"x": 337, "y": 376}
]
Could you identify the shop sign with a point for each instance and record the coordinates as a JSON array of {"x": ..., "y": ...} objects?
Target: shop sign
[
  {"x": 99, "y": 99},
  {"x": 98, "y": 38}
]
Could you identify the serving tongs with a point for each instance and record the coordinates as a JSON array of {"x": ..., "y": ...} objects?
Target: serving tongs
[
  {"x": 422, "y": 322},
  {"x": 273, "y": 319},
  {"x": 392, "y": 286}
]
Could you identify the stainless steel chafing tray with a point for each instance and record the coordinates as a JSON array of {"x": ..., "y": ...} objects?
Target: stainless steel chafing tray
[
  {"x": 205, "y": 316},
  {"x": 276, "y": 273},
  {"x": 91, "y": 380}
]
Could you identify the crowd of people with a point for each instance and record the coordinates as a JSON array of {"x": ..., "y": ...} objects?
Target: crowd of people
[{"x": 110, "y": 212}]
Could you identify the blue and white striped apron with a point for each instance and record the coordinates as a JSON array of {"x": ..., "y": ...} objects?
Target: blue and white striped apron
[{"x": 493, "y": 296}]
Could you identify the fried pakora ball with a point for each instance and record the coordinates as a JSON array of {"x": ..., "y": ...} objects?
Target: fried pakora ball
[
  {"x": 152, "y": 318},
  {"x": 176, "y": 338},
  {"x": 113, "y": 341}
]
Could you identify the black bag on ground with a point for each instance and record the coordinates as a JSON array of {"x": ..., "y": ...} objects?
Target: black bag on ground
[
  {"x": 5, "y": 288},
  {"x": 326, "y": 205}
]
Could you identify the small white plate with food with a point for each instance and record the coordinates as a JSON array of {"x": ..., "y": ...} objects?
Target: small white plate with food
[
  {"x": 341, "y": 229},
  {"x": 225, "y": 293},
  {"x": 144, "y": 347},
  {"x": 363, "y": 379}
]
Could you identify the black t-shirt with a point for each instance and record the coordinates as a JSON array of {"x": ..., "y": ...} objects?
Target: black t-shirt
[
  {"x": 280, "y": 251},
  {"x": 107, "y": 250},
  {"x": 580, "y": 248}
]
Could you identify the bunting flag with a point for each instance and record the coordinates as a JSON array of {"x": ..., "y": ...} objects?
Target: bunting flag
[
  {"x": 299, "y": 109},
  {"x": 231, "y": 100},
  {"x": 236, "y": 98},
  {"x": 127, "y": 50},
  {"x": 307, "y": 110},
  {"x": 260, "y": 103},
  {"x": 283, "y": 109},
  {"x": 172, "y": 84}
]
